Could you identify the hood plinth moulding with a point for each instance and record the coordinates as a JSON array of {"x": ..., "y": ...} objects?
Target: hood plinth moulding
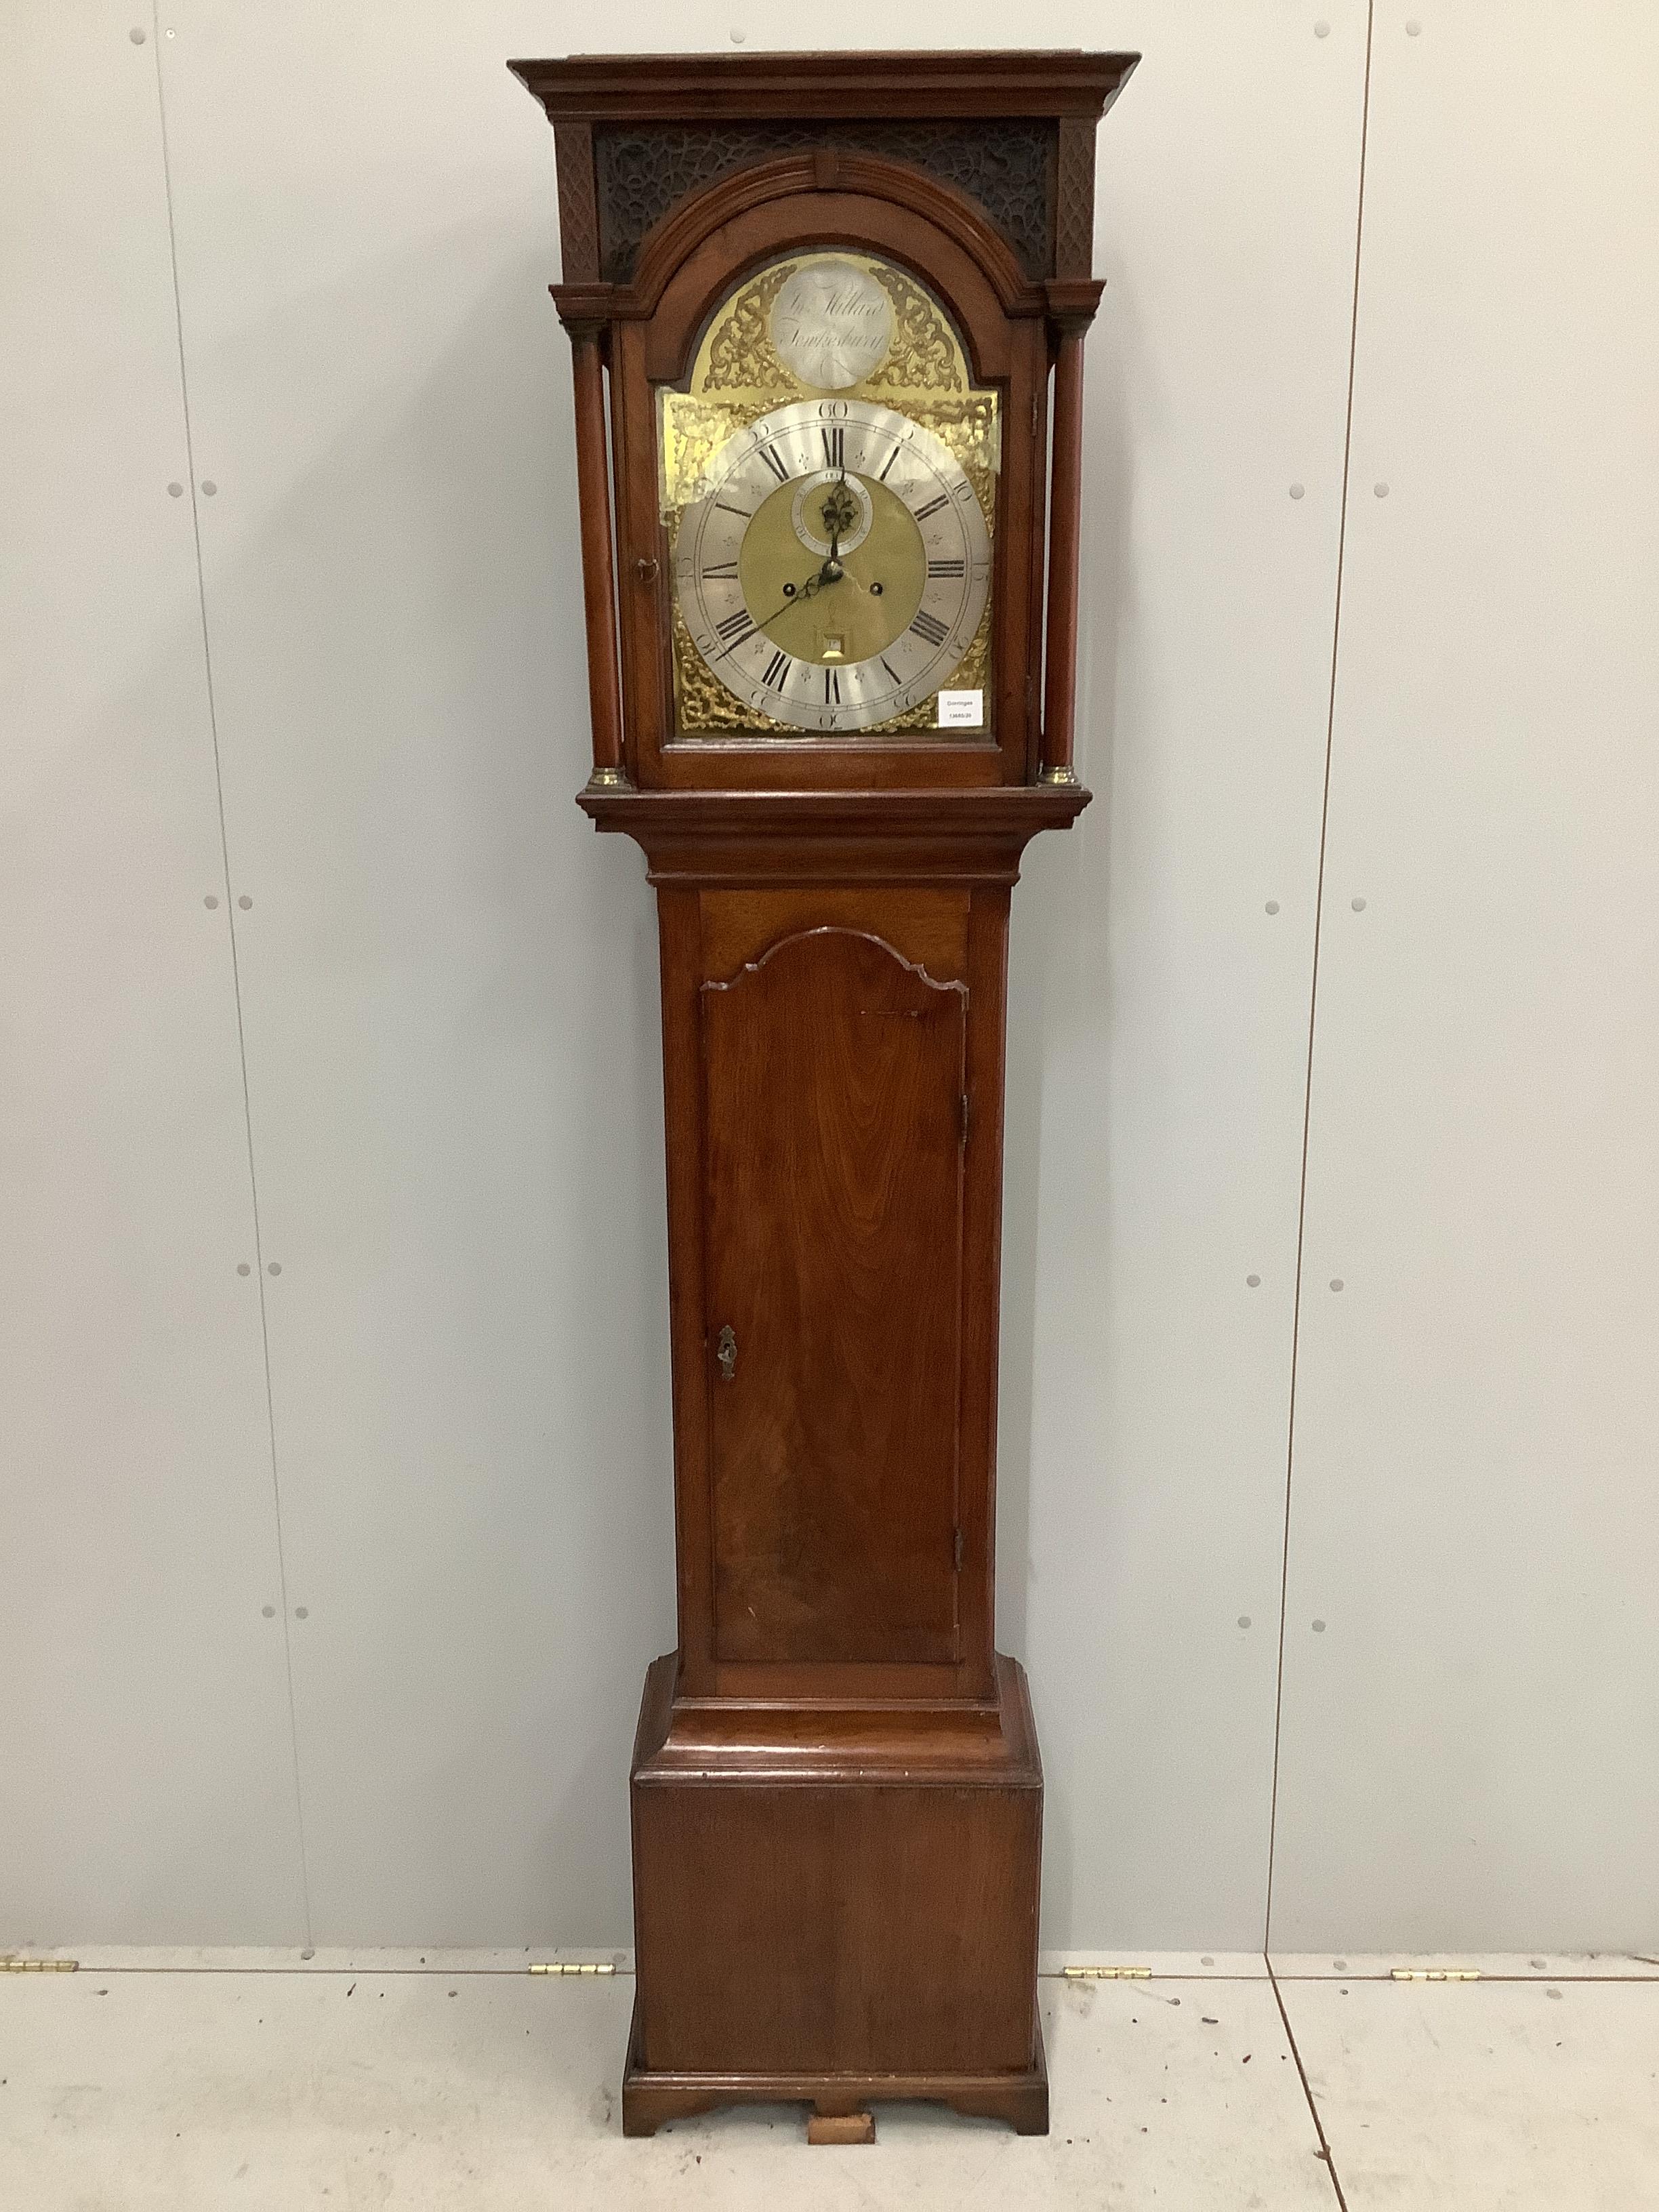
[{"x": 827, "y": 313}]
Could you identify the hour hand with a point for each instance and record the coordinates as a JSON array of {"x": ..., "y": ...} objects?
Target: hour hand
[{"x": 838, "y": 513}]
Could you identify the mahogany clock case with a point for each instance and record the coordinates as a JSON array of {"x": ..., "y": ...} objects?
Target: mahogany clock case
[{"x": 836, "y": 1794}]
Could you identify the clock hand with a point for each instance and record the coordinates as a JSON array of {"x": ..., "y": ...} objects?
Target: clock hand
[
  {"x": 839, "y": 514},
  {"x": 813, "y": 584}
]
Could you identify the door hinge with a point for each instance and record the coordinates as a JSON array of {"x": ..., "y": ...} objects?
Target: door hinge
[
  {"x": 572, "y": 1966},
  {"x": 1106, "y": 1973},
  {"x": 1435, "y": 1973},
  {"x": 965, "y": 1113},
  {"x": 40, "y": 1965},
  {"x": 956, "y": 1546}
]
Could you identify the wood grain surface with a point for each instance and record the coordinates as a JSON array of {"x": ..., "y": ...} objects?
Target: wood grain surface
[{"x": 834, "y": 1075}]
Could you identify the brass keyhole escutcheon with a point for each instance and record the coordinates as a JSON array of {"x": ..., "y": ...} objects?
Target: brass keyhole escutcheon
[{"x": 725, "y": 1351}]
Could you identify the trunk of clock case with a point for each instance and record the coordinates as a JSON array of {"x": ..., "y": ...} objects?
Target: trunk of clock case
[{"x": 855, "y": 1430}]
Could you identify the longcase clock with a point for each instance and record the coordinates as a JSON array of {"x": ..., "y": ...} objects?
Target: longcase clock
[{"x": 827, "y": 315}]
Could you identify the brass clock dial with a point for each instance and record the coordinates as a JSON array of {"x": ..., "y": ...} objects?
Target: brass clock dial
[
  {"x": 836, "y": 567},
  {"x": 829, "y": 476}
]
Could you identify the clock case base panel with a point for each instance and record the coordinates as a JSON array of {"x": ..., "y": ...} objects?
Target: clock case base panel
[
  {"x": 835, "y": 1903},
  {"x": 652, "y": 2097}
]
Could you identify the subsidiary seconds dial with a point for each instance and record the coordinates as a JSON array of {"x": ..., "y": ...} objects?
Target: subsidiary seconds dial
[{"x": 836, "y": 569}]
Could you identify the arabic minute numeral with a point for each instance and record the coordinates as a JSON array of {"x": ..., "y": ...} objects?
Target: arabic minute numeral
[{"x": 930, "y": 628}]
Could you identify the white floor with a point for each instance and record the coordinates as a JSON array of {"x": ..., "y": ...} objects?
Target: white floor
[{"x": 265, "y": 2081}]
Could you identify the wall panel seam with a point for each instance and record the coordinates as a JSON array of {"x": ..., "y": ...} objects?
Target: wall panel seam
[
  {"x": 1313, "y": 979},
  {"x": 235, "y": 967}
]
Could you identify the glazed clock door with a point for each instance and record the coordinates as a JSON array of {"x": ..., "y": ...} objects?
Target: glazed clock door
[
  {"x": 834, "y": 1075},
  {"x": 829, "y": 494}
]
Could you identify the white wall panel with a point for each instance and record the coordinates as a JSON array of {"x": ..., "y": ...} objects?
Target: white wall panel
[
  {"x": 450, "y": 990},
  {"x": 449, "y": 998},
  {"x": 1471, "y": 1746},
  {"x": 146, "y": 1769},
  {"x": 1159, "y": 1011},
  {"x": 450, "y": 982}
]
